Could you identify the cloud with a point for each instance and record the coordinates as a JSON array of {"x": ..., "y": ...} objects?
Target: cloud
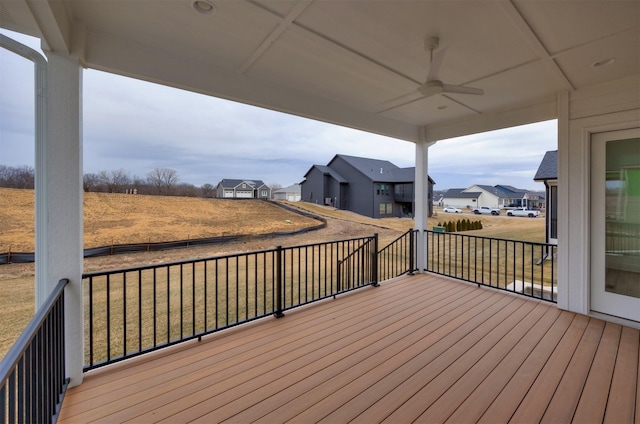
[
  {"x": 510, "y": 156},
  {"x": 138, "y": 126}
]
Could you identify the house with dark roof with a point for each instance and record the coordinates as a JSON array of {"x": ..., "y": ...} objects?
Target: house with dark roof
[
  {"x": 370, "y": 187},
  {"x": 498, "y": 196},
  {"x": 548, "y": 174},
  {"x": 242, "y": 189},
  {"x": 518, "y": 198}
]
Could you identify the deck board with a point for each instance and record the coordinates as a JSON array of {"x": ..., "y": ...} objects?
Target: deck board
[
  {"x": 383, "y": 391},
  {"x": 384, "y": 361},
  {"x": 509, "y": 349},
  {"x": 480, "y": 396},
  {"x": 564, "y": 402},
  {"x": 624, "y": 396},
  {"x": 593, "y": 400},
  {"x": 419, "y": 348},
  {"x": 502, "y": 408}
]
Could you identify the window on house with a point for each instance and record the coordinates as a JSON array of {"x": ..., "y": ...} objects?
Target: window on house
[
  {"x": 553, "y": 213},
  {"x": 264, "y": 193},
  {"x": 386, "y": 208},
  {"x": 382, "y": 189},
  {"x": 403, "y": 191}
]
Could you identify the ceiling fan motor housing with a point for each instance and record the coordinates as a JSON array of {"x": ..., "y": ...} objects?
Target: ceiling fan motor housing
[{"x": 430, "y": 88}]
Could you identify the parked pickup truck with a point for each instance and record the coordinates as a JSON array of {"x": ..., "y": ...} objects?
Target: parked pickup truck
[
  {"x": 523, "y": 212},
  {"x": 486, "y": 210}
]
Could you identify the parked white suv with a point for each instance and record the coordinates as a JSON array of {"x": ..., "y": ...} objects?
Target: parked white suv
[
  {"x": 486, "y": 210},
  {"x": 523, "y": 212}
]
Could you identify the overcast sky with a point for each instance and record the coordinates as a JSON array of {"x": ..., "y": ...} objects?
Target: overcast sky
[{"x": 138, "y": 126}]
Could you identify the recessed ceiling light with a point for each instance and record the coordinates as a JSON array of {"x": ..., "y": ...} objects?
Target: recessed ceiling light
[
  {"x": 603, "y": 62},
  {"x": 204, "y": 7}
]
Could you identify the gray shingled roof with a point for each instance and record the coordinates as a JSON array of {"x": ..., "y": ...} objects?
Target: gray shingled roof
[
  {"x": 293, "y": 188},
  {"x": 459, "y": 193},
  {"x": 329, "y": 171},
  {"x": 406, "y": 175},
  {"x": 231, "y": 183},
  {"x": 381, "y": 170},
  {"x": 548, "y": 169},
  {"x": 374, "y": 169},
  {"x": 495, "y": 190},
  {"x": 511, "y": 188}
]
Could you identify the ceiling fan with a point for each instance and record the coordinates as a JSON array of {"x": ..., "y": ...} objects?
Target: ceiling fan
[{"x": 432, "y": 85}]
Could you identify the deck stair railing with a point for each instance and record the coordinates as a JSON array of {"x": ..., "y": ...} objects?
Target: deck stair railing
[
  {"x": 398, "y": 257},
  {"x": 32, "y": 374},
  {"x": 132, "y": 311},
  {"x": 522, "y": 267},
  {"x": 359, "y": 268}
]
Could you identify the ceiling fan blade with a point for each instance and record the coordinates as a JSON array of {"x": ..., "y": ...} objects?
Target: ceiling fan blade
[
  {"x": 437, "y": 59},
  {"x": 461, "y": 89}
]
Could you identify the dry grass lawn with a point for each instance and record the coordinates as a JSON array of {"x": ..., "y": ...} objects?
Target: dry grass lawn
[
  {"x": 119, "y": 218},
  {"x": 115, "y": 218}
]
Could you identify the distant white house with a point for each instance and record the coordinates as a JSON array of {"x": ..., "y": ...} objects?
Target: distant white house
[
  {"x": 499, "y": 196},
  {"x": 242, "y": 189},
  {"x": 461, "y": 198},
  {"x": 291, "y": 193}
]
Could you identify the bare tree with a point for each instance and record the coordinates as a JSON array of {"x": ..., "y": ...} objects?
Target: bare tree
[
  {"x": 115, "y": 181},
  {"x": 163, "y": 179},
  {"x": 17, "y": 177},
  {"x": 208, "y": 190},
  {"x": 91, "y": 182},
  {"x": 185, "y": 189},
  {"x": 5, "y": 175},
  {"x": 274, "y": 187},
  {"x": 25, "y": 176}
]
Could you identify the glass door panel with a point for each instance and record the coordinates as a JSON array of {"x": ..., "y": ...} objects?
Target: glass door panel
[{"x": 615, "y": 224}]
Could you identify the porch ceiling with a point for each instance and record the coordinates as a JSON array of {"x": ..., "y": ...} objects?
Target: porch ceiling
[{"x": 353, "y": 63}]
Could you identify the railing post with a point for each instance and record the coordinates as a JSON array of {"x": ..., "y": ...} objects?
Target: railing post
[
  {"x": 411, "y": 252},
  {"x": 338, "y": 272},
  {"x": 374, "y": 261},
  {"x": 279, "y": 279}
]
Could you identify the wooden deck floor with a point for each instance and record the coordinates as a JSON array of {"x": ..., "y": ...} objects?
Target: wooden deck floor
[{"x": 421, "y": 348}]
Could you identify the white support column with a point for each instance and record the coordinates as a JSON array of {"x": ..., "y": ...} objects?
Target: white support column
[
  {"x": 59, "y": 210},
  {"x": 422, "y": 201},
  {"x": 563, "y": 196}
]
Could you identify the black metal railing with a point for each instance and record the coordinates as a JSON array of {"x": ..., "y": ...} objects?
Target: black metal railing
[
  {"x": 132, "y": 311},
  {"x": 32, "y": 374},
  {"x": 398, "y": 257},
  {"x": 522, "y": 267}
]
